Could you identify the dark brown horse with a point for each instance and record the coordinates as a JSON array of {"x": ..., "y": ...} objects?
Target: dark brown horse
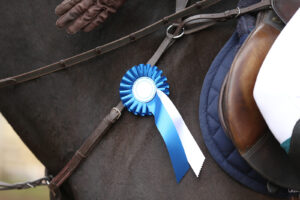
[{"x": 54, "y": 114}]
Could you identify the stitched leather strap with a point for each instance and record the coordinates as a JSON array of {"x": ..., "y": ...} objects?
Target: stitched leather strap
[
  {"x": 262, "y": 5},
  {"x": 168, "y": 41},
  {"x": 115, "y": 112},
  {"x": 69, "y": 62},
  {"x": 87, "y": 146},
  {"x": 100, "y": 131}
]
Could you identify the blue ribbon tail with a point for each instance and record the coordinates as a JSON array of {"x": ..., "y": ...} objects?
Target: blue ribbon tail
[{"x": 170, "y": 136}]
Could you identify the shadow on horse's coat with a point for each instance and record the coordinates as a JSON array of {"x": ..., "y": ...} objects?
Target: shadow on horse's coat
[{"x": 54, "y": 114}]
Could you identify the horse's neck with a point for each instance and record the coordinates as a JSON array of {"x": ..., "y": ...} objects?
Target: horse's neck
[{"x": 54, "y": 114}]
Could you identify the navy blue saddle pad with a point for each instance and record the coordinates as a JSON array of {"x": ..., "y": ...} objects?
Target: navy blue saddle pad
[{"x": 219, "y": 145}]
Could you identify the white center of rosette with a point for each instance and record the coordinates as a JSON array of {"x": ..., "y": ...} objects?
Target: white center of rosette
[{"x": 144, "y": 89}]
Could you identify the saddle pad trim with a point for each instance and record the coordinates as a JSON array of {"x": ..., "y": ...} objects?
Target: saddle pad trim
[{"x": 230, "y": 161}]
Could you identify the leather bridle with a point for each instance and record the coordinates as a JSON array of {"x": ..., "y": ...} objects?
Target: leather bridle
[{"x": 173, "y": 21}]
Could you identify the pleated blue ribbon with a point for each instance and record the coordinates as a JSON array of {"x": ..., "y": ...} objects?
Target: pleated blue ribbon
[
  {"x": 143, "y": 91},
  {"x": 169, "y": 133}
]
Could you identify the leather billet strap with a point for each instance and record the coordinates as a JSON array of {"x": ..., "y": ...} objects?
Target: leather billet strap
[{"x": 173, "y": 18}]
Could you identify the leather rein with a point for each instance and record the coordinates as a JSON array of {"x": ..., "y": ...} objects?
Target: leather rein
[{"x": 176, "y": 29}]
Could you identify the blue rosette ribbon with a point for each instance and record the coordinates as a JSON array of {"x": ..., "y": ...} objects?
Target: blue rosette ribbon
[{"x": 144, "y": 91}]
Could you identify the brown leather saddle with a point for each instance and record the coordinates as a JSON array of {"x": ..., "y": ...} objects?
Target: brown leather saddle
[
  {"x": 285, "y": 8},
  {"x": 238, "y": 112}
]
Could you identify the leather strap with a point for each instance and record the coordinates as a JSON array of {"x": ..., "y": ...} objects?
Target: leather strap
[
  {"x": 88, "y": 145},
  {"x": 69, "y": 62},
  {"x": 168, "y": 41},
  {"x": 180, "y": 4},
  {"x": 229, "y": 14},
  {"x": 100, "y": 131},
  {"x": 161, "y": 49},
  {"x": 203, "y": 21},
  {"x": 115, "y": 112}
]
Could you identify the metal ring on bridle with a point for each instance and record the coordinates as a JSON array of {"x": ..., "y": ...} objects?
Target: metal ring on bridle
[
  {"x": 238, "y": 12},
  {"x": 172, "y": 35}
]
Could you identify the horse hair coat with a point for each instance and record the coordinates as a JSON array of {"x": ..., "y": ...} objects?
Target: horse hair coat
[{"x": 54, "y": 114}]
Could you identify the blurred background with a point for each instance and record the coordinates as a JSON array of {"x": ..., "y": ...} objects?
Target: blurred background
[{"x": 18, "y": 164}]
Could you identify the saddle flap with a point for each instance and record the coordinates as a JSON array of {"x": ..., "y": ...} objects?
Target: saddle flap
[
  {"x": 241, "y": 117},
  {"x": 285, "y": 9}
]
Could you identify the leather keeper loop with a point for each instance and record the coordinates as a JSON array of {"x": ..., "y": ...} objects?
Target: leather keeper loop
[
  {"x": 79, "y": 153},
  {"x": 118, "y": 111},
  {"x": 165, "y": 20},
  {"x": 63, "y": 63},
  {"x": 98, "y": 50},
  {"x": 199, "y": 5},
  {"x": 132, "y": 37}
]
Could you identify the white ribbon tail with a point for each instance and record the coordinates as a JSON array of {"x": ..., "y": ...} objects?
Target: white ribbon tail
[{"x": 193, "y": 153}]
